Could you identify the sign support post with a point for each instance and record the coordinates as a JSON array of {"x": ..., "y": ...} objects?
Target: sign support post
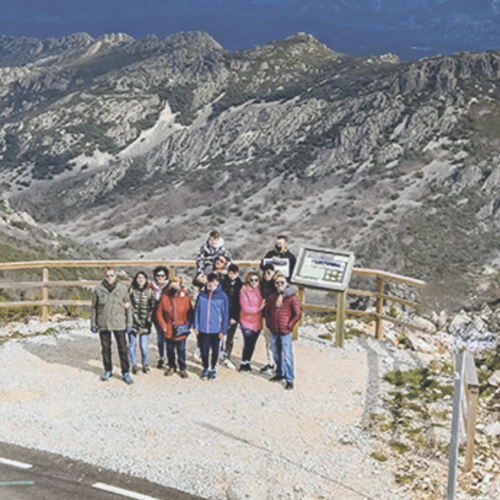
[
  {"x": 340, "y": 322},
  {"x": 455, "y": 425}
]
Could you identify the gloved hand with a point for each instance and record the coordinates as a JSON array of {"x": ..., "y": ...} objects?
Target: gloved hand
[
  {"x": 93, "y": 329},
  {"x": 128, "y": 329}
]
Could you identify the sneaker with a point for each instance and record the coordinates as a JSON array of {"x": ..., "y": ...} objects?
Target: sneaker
[
  {"x": 183, "y": 374},
  {"x": 267, "y": 369},
  {"x": 289, "y": 386},
  {"x": 105, "y": 376},
  {"x": 229, "y": 364},
  {"x": 135, "y": 370},
  {"x": 276, "y": 378},
  {"x": 204, "y": 374},
  {"x": 244, "y": 367},
  {"x": 212, "y": 375},
  {"x": 160, "y": 363},
  {"x": 169, "y": 371},
  {"x": 127, "y": 378},
  {"x": 145, "y": 369}
]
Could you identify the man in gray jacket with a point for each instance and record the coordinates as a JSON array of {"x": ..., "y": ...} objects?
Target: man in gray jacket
[{"x": 111, "y": 312}]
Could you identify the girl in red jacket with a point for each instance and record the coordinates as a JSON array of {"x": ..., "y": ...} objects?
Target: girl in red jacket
[{"x": 174, "y": 316}]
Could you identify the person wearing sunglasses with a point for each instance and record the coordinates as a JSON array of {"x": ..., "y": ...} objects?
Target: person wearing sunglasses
[
  {"x": 159, "y": 284},
  {"x": 251, "y": 305},
  {"x": 267, "y": 287},
  {"x": 111, "y": 313},
  {"x": 282, "y": 314}
]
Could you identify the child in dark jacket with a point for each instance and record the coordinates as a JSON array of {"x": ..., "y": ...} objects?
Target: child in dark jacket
[
  {"x": 231, "y": 285},
  {"x": 210, "y": 322}
]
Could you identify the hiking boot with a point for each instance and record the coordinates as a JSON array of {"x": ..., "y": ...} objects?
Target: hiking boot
[
  {"x": 244, "y": 367},
  {"x": 229, "y": 364},
  {"x": 169, "y": 371},
  {"x": 135, "y": 370},
  {"x": 204, "y": 374},
  {"x": 127, "y": 378},
  {"x": 183, "y": 374},
  {"x": 145, "y": 369},
  {"x": 105, "y": 376},
  {"x": 276, "y": 378},
  {"x": 289, "y": 386},
  {"x": 267, "y": 369},
  {"x": 212, "y": 375},
  {"x": 160, "y": 363}
]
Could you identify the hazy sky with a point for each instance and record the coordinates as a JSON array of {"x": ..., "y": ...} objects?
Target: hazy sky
[{"x": 409, "y": 28}]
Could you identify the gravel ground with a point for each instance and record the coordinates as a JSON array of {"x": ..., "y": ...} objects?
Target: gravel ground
[{"x": 240, "y": 437}]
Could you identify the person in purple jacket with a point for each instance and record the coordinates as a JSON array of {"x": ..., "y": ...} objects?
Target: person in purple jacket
[{"x": 210, "y": 322}]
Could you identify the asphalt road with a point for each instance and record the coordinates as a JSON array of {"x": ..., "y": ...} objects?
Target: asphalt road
[{"x": 35, "y": 475}]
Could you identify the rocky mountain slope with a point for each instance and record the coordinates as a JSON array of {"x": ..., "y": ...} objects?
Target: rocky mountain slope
[{"x": 142, "y": 147}]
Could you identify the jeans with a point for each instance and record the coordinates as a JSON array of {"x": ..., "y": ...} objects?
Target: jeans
[
  {"x": 283, "y": 356},
  {"x": 249, "y": 342},
  {"x": 180, "y": 346},
  {"x": 121, "y": 341},
  {"x": 143, "y": 344},
  {"x": 209, "y": 341},
  {"x": 161, "y": 341}
]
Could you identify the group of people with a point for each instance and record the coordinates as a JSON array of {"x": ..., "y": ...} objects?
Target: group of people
[{"x": 266, "y": 303}]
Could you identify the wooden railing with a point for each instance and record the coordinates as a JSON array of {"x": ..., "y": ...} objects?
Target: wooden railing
[{"x": 46, "y": 284}]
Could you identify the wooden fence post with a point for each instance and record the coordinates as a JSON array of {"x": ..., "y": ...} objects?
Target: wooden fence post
[
  {"x": 380, "y": 308},
  {"x": 301, "y": 296},
  {"x": 45, "y": 295},
  {"x": 171, "y": 272}
]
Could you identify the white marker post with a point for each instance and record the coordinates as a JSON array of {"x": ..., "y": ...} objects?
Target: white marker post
[{"x": 455, "y": 425}]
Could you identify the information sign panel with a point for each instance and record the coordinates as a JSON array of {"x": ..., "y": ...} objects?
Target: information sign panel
[
  {"x": 324, "y": 268},
  {"x": 281, "y": 265}
]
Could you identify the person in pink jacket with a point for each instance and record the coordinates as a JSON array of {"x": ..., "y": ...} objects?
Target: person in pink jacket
[{"x": 251, "y": 303}]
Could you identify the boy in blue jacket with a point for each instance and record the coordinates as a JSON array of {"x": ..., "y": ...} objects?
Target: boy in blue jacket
[{"x": 211, "y": 319}]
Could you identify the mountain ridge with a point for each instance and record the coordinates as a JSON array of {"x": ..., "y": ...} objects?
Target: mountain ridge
[{"x": 396, "y": 161}]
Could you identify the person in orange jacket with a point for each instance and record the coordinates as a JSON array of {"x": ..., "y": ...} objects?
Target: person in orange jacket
[{"x": 174, "y": 316}]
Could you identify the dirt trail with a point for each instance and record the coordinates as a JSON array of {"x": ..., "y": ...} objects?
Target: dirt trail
[{"x": 240, "y": 437}]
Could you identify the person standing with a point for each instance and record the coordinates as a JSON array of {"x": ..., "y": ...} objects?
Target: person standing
[
  {"x": 251, "y": 304},
  {"x": 111, "y": 313},
  {"x": 159, "y": 284},
  {"x": 282, "y": 313},
  {"x": 143, "y": 303},
  {"x": 174, "y": 317},
  {"x": 231, "y": 286},
  {"x": 205, "y": 260},
  {"x": 267, "y": 287},
  {"x": 210, "y": 322},
  {"x": 280, "y": 252}
]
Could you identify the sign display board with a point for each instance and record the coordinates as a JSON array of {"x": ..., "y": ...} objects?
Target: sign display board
[
  {"x": 324, "y": 268},
  {"x": 282, "y": 265}
]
